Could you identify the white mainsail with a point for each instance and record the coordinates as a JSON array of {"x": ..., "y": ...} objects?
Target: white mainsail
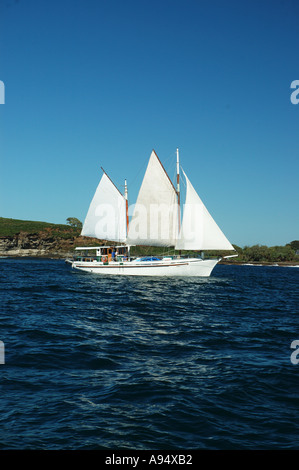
[
  {"x": 155, "y": 217},
  {"x": 199, "y": 231},
  {"x": 106, "y": 216}
]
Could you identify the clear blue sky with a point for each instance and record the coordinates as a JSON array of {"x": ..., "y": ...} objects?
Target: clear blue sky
[{"x": 101, "y": 83}]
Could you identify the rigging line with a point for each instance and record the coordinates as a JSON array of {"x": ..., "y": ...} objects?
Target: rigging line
[
  {"x": 170, "y": 161},
  {"x": 183, "y": 179},
  {"x": 143, "y": 165}
]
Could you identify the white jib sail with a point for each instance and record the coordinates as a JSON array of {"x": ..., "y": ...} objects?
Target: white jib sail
[
  {"x": 199, "y": 231},
  {"x": 106, "y": 216},
  {"x": 155, "y": 217}
]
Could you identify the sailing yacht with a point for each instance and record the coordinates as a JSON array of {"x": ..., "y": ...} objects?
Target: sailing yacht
[{"x": 156, "y": 222}]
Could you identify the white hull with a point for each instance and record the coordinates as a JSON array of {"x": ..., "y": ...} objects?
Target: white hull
[{"x": 178, "y": 267}]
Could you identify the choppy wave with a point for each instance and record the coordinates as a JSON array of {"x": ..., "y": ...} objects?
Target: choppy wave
[{"x": 148, "y": 363}]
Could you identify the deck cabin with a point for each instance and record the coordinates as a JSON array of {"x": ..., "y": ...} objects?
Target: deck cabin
[{"x": 103, "y": 254}]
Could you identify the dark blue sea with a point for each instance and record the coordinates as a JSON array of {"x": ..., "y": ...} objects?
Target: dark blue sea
[{"x": 142, "y": 363}]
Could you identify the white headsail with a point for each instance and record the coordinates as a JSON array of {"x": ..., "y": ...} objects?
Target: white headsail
[
  {"x": 155, "y": 217},
  {"x": 199, "y": 231},
  {"x": 106, "y": 216}
]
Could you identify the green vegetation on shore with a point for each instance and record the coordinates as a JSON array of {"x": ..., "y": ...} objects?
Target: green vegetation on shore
[
  {"x": 263, "y": 253},
  {"x": 248, "y": 254},
  {"x": 11, "y": 227},
  {"x": 71, "y": 231}
]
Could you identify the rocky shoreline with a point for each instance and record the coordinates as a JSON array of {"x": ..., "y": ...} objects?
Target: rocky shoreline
[
  {"x": 46, "y": 244},
  {"x": 42, "y": 245}
]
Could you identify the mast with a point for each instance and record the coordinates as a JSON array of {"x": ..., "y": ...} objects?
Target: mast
[
  {"x": 178, "y": 185},
  {"x": 127, "y": 206}
]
